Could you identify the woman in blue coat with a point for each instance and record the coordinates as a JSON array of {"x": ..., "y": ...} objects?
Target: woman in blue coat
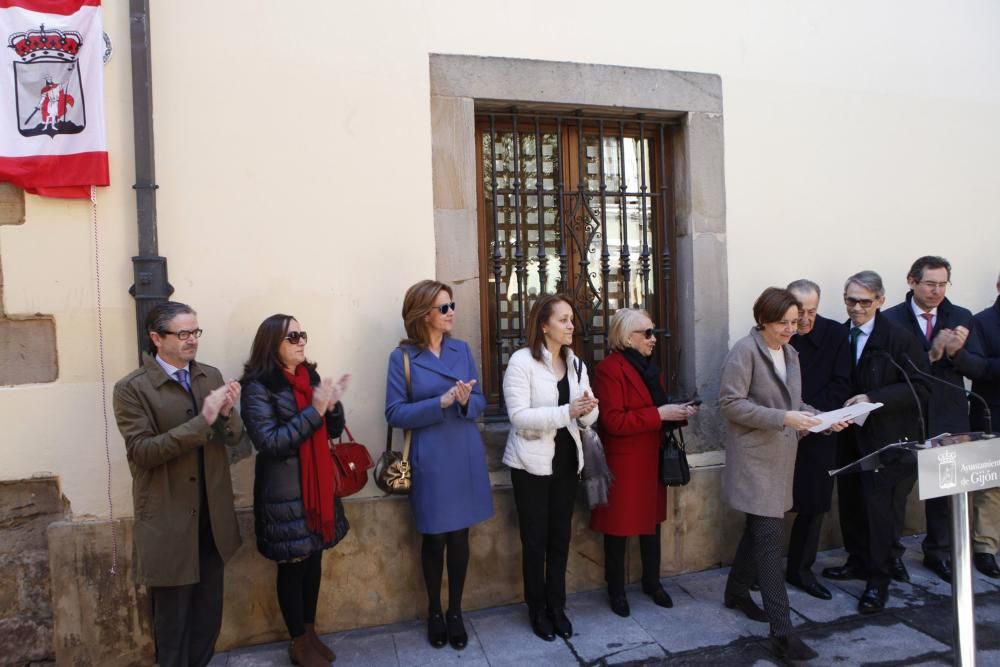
[{"x": 451, "y": 487}]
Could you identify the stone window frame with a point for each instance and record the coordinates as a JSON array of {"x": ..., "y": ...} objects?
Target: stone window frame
[{"x": 700, "y": 268}]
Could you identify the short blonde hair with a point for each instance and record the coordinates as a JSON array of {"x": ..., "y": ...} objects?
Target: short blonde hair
[{"x": 623, "y": 322}]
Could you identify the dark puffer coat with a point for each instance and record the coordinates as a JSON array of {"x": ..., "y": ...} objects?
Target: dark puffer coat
[{"x": 277, "y": 429}]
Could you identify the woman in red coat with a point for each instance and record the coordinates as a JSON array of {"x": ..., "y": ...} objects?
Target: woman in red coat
[{"x": 634, "y": 407}]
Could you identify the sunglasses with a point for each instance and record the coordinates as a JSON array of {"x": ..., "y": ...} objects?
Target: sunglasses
[
  {"x": 294, "y": 337},
  {"x": 646, "y": 333},
  {"x": 445, "y": 307},
  {"x": 864, "y": 303}
]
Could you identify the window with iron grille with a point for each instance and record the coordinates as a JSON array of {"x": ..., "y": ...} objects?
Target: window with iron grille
[{"x": 574, "y": 203}]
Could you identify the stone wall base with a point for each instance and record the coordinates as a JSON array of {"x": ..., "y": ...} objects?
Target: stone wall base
[{"x": 26, "y": 507}]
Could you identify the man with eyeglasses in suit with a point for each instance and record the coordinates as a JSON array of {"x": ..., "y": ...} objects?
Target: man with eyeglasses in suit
[
  {"x": 176, "y": 416},
  {"x": 947, "y": 334},
  {"x": 986, "y": 504},
  {"x": 865, "y": 498}
]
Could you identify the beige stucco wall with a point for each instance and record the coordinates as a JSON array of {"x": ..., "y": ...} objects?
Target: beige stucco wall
[{"x": 294, "y": 163}]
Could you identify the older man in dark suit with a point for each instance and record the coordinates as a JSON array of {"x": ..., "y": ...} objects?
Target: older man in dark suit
[
  {"x": 825, "y": 362},
  {"x": 177, "y": 417},
  {"x": 949, "y": 340},
  {"x": 877, "y": 347},
  {"x": 986, "y": 504}
]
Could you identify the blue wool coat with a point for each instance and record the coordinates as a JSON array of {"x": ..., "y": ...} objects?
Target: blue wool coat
[{"x": 451, "y": 487}]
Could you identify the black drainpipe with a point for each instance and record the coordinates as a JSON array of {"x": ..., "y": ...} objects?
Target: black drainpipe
[{"x": 149, "y": 269}]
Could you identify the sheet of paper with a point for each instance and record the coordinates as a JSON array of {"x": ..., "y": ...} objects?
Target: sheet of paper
[{"x": 858, "y": 412}]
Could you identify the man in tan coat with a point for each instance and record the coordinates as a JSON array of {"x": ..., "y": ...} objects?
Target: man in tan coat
[{"x": 177, "y": 417}]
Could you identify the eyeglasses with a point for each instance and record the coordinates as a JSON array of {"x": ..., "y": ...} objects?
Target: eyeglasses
[
  {"x": 864, "y": 303},
  {"x": 294, "y": 337},
  {"x": 444, "y": 307},
  {"x": 930, "y": 284},
  {"x": 183, "y": 334},
  {"x": 646, "y": 333}
]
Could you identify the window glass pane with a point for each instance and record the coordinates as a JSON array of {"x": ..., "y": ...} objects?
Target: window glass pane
[{"x": 607, "y": 238}]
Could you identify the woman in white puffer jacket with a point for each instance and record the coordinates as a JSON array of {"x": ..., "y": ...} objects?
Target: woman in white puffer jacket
[{"x": 548, "y": 397}]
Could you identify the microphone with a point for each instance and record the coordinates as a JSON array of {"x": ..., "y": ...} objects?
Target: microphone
[
  {"x": 916, "y": 399},
  {"x": 986, "y": 407}
]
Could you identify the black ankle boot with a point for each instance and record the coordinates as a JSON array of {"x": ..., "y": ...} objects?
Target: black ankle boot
[
  {"x": 542, "y": 626},
  {"x": 561, "y": 623},
  {"x": 437, "y": 631},
  {"x": 457, "y": 636}
]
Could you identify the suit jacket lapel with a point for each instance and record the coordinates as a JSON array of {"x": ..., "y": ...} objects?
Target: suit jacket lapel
[
  {"x": 633, "y": 377},
  {"x": 443, "y": 365},
  {"x": 764, "y": 351},
  {"x": 198, "y": 388}
]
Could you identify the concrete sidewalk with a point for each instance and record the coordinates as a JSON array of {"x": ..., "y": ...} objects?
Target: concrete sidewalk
[{"x": 915, "y": 629}]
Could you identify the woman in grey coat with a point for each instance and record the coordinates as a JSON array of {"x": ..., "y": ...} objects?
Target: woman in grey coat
[{"x": 761, "y": 399}]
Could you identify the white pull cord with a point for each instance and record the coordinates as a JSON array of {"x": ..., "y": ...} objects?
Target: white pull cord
[{"x": 103, "y": 382}]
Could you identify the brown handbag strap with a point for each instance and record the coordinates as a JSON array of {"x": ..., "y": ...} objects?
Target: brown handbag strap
[{"x": 409, "y": 397}]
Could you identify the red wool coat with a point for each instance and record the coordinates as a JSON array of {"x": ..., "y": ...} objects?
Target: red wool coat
[{"x": 629, "y": 426}]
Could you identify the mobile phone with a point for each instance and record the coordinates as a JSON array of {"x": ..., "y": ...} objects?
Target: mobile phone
[{"x": 696, "y": 402}]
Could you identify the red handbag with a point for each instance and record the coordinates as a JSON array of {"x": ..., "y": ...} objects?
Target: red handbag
[{"x": 351, "y": 463}]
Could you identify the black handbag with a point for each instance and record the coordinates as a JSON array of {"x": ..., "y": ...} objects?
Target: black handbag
[{"x": 674, "y": 468}]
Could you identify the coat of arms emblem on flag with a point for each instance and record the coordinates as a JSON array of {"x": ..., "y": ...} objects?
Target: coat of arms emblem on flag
[
  {"x": 48, "y": 91},
  {"x": 52, "y": 134}
]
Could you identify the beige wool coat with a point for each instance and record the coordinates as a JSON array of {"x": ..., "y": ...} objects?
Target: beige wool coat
[
  {"x": 162, "y": 434},
  {"x": 760, "y": 449}
]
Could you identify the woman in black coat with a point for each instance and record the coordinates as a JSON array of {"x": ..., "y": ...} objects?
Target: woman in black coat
[{"x": 289, "y": 414}]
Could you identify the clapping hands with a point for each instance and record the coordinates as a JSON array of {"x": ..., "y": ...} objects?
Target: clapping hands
[
  {"x": 582, "y": 406},
  {"x": 460, "y": 393},
  {"x": 220, "y": 401},
  {"x": 328, "y": 392}
]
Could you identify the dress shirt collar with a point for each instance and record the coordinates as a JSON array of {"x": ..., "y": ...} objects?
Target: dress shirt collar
[{"x": 171, "y": 370}]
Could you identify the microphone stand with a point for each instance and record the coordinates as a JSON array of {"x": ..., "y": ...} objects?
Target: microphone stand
[
  {"x": 986, "y": 407},
  {"x": 916, "y": 399}
]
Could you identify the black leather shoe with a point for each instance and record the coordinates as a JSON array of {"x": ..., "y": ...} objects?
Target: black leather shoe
[
  {"x": 844, "y": 572},
  {"x": 660, "y": 597},
  {"x": 814, "y": 588},
  {"x": 561, "y": 623},
  {"x": 897, "y": 570},
  {"x": 437, "y": 631},
  {"x": 457, "y": 636},
  {"x": 791, "y": 647},
  {"x": 941, "y": 568},
  {"x": 542, "y": 626},
  {"x": 873, "y": 599},
  {"x": 987, "y": 564},
  {"x": 748, "y": 607},
  {"x": 619, "y": 604}
]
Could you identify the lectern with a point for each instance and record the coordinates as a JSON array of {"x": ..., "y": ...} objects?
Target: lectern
[
  {"x": 954, "y": 466},
  {"x": 951, "y": 465}
]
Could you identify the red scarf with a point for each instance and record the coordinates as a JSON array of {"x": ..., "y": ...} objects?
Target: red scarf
[{"x": 315, "y": 463}]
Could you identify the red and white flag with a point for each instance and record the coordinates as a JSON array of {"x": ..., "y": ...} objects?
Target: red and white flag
[{"x": 52, "y": 132}]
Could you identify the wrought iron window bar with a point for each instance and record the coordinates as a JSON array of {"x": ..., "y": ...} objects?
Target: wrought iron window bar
[{"x": 528, "y": 202}]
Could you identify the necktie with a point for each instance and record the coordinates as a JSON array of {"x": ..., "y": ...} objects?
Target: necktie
[
  {"x": 855, "y": 332},
  {"x": 928, "y": 325},
  {"x": 182, "y": 377}
]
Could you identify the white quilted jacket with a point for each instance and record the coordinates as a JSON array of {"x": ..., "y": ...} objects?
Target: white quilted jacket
[{"x": 531, "y": 394}]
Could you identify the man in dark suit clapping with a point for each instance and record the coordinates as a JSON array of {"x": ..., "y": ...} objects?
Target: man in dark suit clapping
[{"x": 947, "y": 334}]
